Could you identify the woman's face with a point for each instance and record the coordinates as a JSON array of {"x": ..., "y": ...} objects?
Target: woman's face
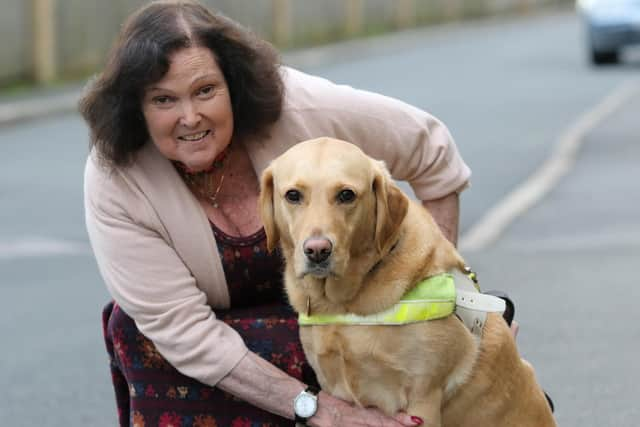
[{"x": 188, "y": 113}]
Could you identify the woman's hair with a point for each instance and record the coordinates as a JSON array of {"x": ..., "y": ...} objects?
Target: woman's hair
[{"x": 112, "y": 103}]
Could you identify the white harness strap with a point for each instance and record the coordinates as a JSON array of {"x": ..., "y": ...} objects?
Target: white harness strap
[{"x": 472, "y": 306}]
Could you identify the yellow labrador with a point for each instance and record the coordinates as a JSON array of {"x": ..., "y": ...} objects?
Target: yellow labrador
[{"x": 354, "y": 243}]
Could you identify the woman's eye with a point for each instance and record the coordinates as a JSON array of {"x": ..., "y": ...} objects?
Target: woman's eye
[
  {"x": 346, "y": 196},
  {"x": 161, "y": 100},
  {"x": 293, "y": 196},
  {"x": 206, "y": 91}
]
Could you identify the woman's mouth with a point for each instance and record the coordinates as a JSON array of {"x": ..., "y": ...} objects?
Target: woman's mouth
[{"x": 194, "y": 137}]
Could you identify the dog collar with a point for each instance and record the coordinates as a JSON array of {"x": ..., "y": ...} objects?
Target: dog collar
[{"x": 432, "y": 298}]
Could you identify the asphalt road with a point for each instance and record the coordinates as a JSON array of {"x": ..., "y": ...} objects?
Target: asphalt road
[{"x": 507, "y": 89}]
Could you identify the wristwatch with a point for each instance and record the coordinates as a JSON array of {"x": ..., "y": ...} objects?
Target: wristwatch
[{"x": 305, "y": 405}]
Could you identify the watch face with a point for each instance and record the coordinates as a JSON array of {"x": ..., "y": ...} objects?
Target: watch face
[{"x": 305, "y": 405}]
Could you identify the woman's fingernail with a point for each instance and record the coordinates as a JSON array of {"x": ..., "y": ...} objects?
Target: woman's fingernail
[{"x": 417, "y": 420}]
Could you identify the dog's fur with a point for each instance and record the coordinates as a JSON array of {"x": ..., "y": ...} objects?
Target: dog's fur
[{"x": 383, "y": 244}]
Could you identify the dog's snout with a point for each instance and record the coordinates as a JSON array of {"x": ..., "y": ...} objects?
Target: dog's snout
[{"x": 317, "y": 249}]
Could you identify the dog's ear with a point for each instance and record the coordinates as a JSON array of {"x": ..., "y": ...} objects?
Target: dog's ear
[
  {"x": 391, "y": 208},
  {"x": 265, "y": 207}
]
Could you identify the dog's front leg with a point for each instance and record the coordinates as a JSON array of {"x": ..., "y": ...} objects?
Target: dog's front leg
[{"x": 428, "y": 407}]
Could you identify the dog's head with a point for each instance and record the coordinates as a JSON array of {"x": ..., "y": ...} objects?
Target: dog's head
[{"x": 328, "y": 205}]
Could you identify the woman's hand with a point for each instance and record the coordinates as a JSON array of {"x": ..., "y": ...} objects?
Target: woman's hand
[
  {"x": 333, "y": 412},
  {"x": 515, "y": 328}
]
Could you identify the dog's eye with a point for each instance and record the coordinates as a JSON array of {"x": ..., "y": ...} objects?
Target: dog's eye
[
  {"x": 293, "y": 196},
  {"x": 346, "y": 196}
]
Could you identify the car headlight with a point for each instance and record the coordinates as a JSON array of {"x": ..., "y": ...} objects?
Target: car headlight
[{"x": 586, "y": 4}]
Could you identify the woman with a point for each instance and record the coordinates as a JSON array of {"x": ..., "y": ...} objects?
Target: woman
[{"x": 187, "y": 113}]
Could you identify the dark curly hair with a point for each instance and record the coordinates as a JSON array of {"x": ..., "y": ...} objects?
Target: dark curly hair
[{"x": 112, "y": 103}]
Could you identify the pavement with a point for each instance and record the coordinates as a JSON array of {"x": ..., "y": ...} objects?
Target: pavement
[{"x": 39, "y": 102}]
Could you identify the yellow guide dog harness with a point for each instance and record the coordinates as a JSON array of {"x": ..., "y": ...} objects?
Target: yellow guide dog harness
[{"x": 433, "y": 298}]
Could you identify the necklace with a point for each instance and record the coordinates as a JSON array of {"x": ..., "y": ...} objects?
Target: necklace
[{"x": 202, "y": 183}]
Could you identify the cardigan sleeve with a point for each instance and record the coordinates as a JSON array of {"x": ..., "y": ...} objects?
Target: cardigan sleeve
[
  {"x": 147, "y": 278},
  {"x": 416, "y": 146}
]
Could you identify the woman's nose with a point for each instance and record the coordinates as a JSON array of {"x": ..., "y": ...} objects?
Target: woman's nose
[{"x": 190, "y": 116}]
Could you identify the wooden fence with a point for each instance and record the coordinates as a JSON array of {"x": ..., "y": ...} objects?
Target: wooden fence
[{"x": 49, "y": 40}]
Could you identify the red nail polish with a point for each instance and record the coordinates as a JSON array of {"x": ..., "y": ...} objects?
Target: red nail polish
[{"x": 417, "y": 420}]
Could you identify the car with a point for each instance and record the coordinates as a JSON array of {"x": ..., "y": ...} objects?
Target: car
[{"x": 610, "y": 26}]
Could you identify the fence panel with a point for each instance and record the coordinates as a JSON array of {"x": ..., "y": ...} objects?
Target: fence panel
[
  {"x": 16, "y": 35},
  {"x": 257, "y": 15},
  {"x": 86, "y": 30}
]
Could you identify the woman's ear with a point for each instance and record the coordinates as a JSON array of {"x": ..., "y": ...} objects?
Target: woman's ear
[
  {"x": 265, "y": 207},
  {"x": 391, "y": 208}
]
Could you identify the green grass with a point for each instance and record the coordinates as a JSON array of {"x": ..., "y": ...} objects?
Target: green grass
[{"x": 15, "y": 87}]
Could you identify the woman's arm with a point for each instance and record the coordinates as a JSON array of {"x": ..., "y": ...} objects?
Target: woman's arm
[
  {"x": 263, "y": 385},
  {"x": 446, "y": 212},
  {"x": 151, "y": 282},
  {"x": 415, "y": 146}
]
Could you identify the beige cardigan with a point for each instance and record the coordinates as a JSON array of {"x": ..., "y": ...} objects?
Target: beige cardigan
[{"x": 153, "y": 242}]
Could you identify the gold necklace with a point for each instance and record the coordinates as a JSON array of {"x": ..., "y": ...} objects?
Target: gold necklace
[
  {"x": 201, "y": 183},
  {"x": 212, "y": 197}
]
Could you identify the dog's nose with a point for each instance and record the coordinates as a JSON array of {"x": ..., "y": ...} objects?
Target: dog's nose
[{"x": 317, "y": 249}]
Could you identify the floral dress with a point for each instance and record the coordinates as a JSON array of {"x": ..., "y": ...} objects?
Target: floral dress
[{"x": 150, "y": 392}]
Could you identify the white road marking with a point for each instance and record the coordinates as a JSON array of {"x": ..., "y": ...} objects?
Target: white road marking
[
  {"x": 36, "y": 246},
  {"x": 590, "y": 241},
  {"x": 487, "y": 230}
]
